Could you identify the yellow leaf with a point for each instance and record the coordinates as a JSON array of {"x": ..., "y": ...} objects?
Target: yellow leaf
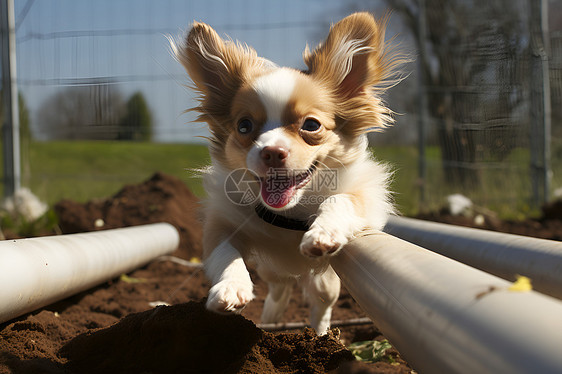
[
  {"x": 521, "y": 284},
  {"x": 126, "y": 278}
]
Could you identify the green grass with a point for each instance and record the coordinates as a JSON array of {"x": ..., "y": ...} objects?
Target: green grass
[
  {"x": 84, "y": 170},
  {"x": 503, "y": 188},
  {"x": 403, "y": 161}
]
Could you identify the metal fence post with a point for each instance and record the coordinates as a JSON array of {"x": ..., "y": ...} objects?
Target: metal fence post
[
  {"x": 540, "y": 129},
  {"x": 422, "y": 123},
  {"x": 10, "y": 125}
]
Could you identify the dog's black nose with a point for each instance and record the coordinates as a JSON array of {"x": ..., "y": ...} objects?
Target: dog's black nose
[{"x": 274, "y": 156}]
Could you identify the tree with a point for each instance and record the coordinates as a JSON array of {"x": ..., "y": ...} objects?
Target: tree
[
  {"x": 473, "y": 58},
  {"x": 136, "y": 124},
  {"x": 555, "y": 28},
  {"x": 25, "y": 122},
  {"x": 82, "y": 112}
]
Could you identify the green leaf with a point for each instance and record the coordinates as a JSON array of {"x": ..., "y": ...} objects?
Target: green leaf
[{"x": 369, "y": 350}]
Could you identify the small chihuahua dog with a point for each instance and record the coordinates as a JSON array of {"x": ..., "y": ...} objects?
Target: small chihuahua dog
[{"x": 292, "y": 180}]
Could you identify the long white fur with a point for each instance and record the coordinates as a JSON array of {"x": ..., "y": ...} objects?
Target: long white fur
[
  {"x": 336, "y": 220},
  {"x": 281, "y": 255},
  {"x": 343, "y": 58},
  {"x": 337, "y": 223},
  {"x": 232, "y": 287},
  {"x": 275, "y": 90}
]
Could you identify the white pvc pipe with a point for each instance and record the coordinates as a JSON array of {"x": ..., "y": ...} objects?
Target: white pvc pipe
[
  {"x": 39, "y": 271},
  {"x": 504, "y": 255},
  {"x": 446, "y": 317}
]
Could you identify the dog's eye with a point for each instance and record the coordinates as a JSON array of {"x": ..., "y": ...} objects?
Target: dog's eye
[
  {"x": 310, "y": 125},
  {"x": 245, "y": 126}
]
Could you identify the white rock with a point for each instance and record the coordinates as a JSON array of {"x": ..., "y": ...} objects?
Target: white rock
[
  {"x": 24, "y": 204},
  {"x": 458, "y": 204}
]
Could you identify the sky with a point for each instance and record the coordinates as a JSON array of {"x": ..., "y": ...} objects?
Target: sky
[{"x": 72, "y": 42}]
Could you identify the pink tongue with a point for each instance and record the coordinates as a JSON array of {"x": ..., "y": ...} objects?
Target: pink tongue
[{"x": 276, "y": 196}]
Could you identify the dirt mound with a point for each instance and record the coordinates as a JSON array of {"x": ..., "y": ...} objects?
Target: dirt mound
[
  {"x": 187, "y": 338},
  {"x": 162, "y": 198},
  {"x": 50, "y": 340}
]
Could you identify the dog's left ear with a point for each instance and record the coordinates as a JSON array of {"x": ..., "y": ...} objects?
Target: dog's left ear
[{"x": 352, "y": 58}]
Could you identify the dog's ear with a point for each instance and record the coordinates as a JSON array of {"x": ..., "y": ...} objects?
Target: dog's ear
[
  {"x": 354, "y": 63},
  {"x": 217, "y": 67},
  {"x": 351, "y": 59},
  {"x": 209, "y": 61}
]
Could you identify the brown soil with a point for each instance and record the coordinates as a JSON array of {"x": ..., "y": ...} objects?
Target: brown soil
[
  {"x": 162, "y": 198},
  {"x": 187, "y": 338},
  {"x": 114, "y": 328},
  {"x": 548, "y": 226}
]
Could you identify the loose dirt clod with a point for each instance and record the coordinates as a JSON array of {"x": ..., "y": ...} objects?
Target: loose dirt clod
[{"x": 187, "y": 338}]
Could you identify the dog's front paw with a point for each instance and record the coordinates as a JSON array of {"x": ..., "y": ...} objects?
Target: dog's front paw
[
  {"x": 229, "y": 296},
  {"x": 318, "y": 242}
]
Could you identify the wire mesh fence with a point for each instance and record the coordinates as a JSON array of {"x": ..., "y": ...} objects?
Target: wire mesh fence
[
  {"x": 476, "y": 61},
  {"x": 487, "y": 77},
  {"x": 101, "y": 97}
]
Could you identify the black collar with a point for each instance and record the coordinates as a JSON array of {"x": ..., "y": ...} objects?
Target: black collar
[{"x": 280, "y": 220}]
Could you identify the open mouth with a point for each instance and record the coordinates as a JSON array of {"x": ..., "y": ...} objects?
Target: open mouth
[{"x": 280, "y": 185}]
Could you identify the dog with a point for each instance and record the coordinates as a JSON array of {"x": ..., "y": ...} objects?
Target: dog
[{"x": 292, "y": 180}]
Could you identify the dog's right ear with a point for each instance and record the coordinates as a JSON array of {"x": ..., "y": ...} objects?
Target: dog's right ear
[
  {"x": 207, "y": 59},
  {"x": 217, "y": 67}
]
